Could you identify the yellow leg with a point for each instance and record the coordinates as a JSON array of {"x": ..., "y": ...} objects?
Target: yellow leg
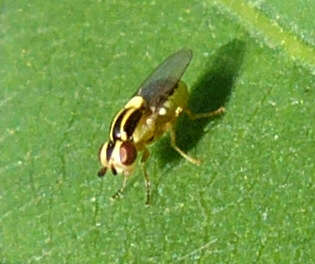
[
  {"x": 182, "y": 153},
  {"x": 194, "y": 116},
  {"x": 147, "y": 182},
  {"x": 120, "y": 192}
]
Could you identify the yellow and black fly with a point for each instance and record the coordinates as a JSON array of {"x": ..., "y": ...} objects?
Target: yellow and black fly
[{"x": 151, "y": 112}]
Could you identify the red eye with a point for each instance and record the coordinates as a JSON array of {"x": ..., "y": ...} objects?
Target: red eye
[{"x": 128, "y": 153}]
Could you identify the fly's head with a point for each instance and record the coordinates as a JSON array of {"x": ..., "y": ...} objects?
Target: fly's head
[{"x": 118, "y": 156}]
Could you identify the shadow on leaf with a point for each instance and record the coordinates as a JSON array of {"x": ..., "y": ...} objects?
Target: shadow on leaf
[{"x": 211, "y": 91}]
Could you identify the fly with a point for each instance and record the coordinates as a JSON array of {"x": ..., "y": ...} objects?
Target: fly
[{"x": 152, "y": 111}]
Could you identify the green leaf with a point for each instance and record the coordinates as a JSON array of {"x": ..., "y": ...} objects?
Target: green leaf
[{"x": 68, "y": 67}]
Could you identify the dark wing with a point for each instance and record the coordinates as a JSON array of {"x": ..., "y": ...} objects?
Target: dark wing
[{"x": 163, "y": 81}]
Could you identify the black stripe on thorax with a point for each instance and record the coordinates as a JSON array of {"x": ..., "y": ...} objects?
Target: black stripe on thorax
[
  {"x": 116, "y": 126},
  {"x": 126, "y": 125},
  {"x": 132, "y": 122}
]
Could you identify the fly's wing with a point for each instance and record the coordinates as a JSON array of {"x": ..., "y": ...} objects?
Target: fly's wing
[{"x": 163, "y": 81}]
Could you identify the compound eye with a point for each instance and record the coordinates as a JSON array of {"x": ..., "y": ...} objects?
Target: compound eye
[{"x": 127, "y": 153}]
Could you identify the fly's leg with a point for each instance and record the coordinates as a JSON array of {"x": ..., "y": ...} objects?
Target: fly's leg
[
  {"x": 182, "y": 153},
  {"x": 147, "y": 182},
  {"x": 120, "y": 192},
  {"x": 194, "y": 116}
]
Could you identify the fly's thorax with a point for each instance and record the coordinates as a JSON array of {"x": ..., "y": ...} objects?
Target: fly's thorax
[
  {"x": 161, "y": 117},
  {"x": 145, "y": 129},
  {"x": 118, "y": 156},
  {"x": 126, "y": 121}
]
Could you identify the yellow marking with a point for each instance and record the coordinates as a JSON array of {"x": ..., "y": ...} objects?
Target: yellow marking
[
  {"x": 149, "y": 121},
  {"x": 113, "y": 123},
  {"x": 135, "y": 102},
  {"x": 162, "y": 111},
  {"x": 103, "y": 155},
  {"x": 178, "y": 111},
  {"x": 116, "y": 153},
  {"x": 167, "y": 104},
  {"x": 123, "y": 134}
]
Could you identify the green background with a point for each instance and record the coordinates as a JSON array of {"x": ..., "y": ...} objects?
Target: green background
[{"x": 68, "y": 66}]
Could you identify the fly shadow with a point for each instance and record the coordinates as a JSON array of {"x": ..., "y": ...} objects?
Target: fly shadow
[{"x": 211, "y": 91}]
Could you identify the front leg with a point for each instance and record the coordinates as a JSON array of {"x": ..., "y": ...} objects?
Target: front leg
[
  {"x": 120, "y": 191},
  {"x": 147, "y": 182}
]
